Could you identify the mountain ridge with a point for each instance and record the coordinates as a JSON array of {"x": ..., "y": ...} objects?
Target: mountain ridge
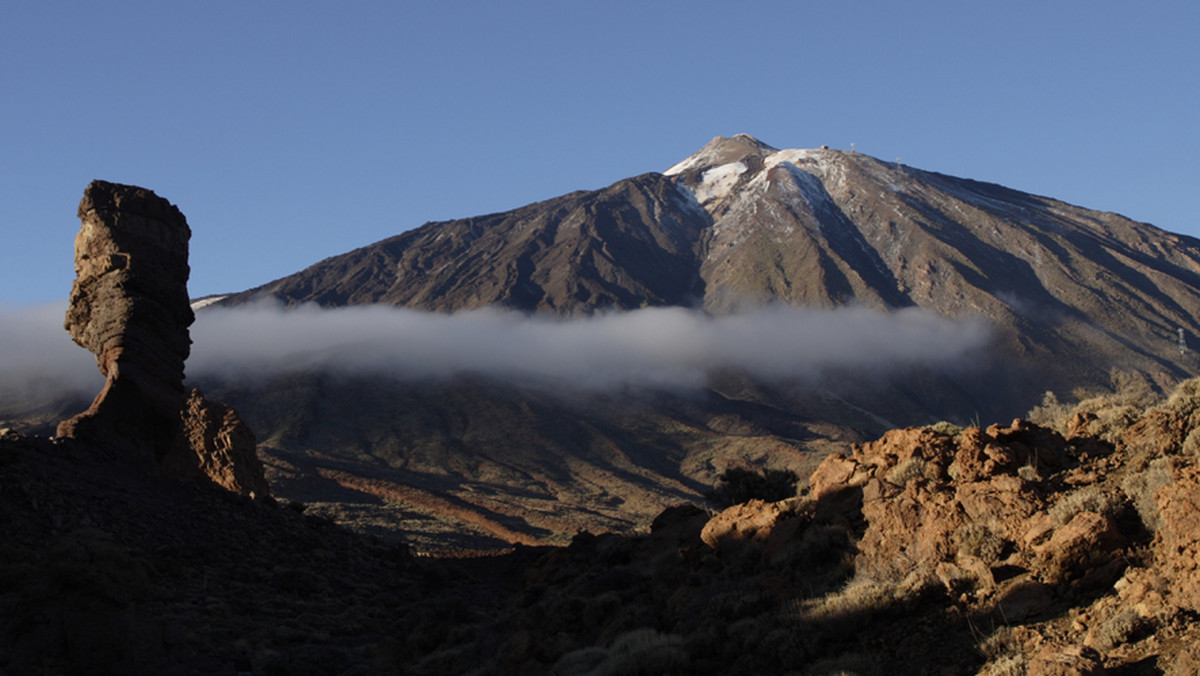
[
  {"x": 1070, "y": 295},
  {"x": 739, "y": 223}
]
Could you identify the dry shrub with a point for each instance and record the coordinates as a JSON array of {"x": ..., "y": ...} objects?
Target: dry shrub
[
  {"x": 1002, "y": 649},
  {"x": 1124, "y": 627},
  {"x": 1183, "y": 405},
  {"x": 1107, "y": 414},
  {"x": 1092, "y": 498},
  {"x": 1051, "y": 413},
  {"x": 739, "y": 485},
  {"x": 1184, "y": 399},
  {"x": 1191, "y": 444},
  {"x": 641, "y": 651},
  {"x": 949, "y": 429},
  {"x": 1008, "y": 665},
  {"x": 738, "y": 604},
  {"x": 913, "y": 468},
  {"x": 1003, "y": 641},
  {"x": 1140, "y": 488},
  {"x": 852, "y": 606},
  {"x": 977, "y": 540},
  {"x": 581, "y": 661}
]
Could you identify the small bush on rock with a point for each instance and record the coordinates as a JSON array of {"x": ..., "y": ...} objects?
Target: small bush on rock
[{"x": 743, "y": 485}]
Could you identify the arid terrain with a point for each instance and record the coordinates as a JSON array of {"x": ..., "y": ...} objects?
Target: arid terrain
[
  {"x": 931, "y": 550},
  {"x": 1026, "y": 507}
]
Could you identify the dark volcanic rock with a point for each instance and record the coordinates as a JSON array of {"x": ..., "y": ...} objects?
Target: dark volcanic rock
[{"x": 129, "y": 306}]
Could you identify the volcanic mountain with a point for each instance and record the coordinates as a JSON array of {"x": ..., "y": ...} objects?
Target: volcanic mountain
[
  {"x": 740, "y": 223},
  {"x": 1069, "y": 295}
]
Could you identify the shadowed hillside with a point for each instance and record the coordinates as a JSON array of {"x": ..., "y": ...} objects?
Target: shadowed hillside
[{"x": 930, "y": 550}]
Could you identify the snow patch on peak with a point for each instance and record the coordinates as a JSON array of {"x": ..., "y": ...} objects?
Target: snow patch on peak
[
  {"x": 811, "y": 190},
  {"x": 717, "y": 182},
  {"x": 794, "y": 156},
  {"x": 720, "y": 151},
  {"x": 829, "y": 166},
  {"x": 201, "y": 303},
  {"x": 688, "y": 198}
]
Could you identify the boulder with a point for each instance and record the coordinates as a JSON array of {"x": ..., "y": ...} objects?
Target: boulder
[
  {"x": 1087, "y": 540},
  {"x": 1071, "y": 660},
  {"x": 741, "y": 524}
]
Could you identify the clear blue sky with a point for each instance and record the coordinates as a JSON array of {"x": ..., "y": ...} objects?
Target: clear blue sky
[{"x": 289, "y": 131}]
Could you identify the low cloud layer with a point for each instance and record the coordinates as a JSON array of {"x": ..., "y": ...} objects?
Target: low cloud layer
[
  {"x": 38, "y": 360},
  {"x": 659, "y": 348}
]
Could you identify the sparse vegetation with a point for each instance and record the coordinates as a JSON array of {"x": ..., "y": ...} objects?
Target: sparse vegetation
[
  {"x": 740, "y": 485},
  {"x": 1140, "y": 488},
  {"x": 1121, "y": 628},
  {"x": 640, "y": 651},
  {"x": 946, "y": 428},
  {"x": 913, "y": 468},
  {"x": 979, "y": 541},
  {"x": 1099, "y": 414},
  {"x": 1094, "y": 498},
  {"x": 1006, "y": 665}
]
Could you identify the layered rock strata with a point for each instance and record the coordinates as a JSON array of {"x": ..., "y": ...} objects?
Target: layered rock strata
[
  {"x": 130, "y": 307},
  {"x": 215, "y": 443}
]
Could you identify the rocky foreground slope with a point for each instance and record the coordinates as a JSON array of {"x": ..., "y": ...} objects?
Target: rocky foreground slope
[{"x": 1007, "y": 550}]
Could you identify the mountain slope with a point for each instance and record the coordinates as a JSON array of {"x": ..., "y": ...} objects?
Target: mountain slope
[
  {"x": 630, "y": 244},
  {"x": 740, "y": 223},
  {"x": 825, "y": 227},
  {"x": 1070, "y": 295}
]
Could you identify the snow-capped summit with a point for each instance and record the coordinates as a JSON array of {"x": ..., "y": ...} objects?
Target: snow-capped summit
[{"x": 722, "y": 151}]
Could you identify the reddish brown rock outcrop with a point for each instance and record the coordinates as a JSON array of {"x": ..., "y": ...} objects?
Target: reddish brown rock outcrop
[
  {"x": 1178, "y": 543},
  {"x": 130, "y": 307},
  {"x": 752, "y": 521},
  {"x": 1055, "y": 660},
  {"x": 955, "y": 506},
  {"x": 216, "y": 443}
]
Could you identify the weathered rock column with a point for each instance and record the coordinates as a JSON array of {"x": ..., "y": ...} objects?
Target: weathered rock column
[{"x": 130, "y": 307}]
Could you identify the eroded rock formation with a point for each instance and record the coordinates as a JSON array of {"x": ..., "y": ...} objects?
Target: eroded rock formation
[
  {"x": 217, "y": 444},
  {"x": 130, "y": 307}
]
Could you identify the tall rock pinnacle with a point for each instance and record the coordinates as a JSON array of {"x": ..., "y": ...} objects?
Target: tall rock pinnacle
[{"x": 129, "y": 307}]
